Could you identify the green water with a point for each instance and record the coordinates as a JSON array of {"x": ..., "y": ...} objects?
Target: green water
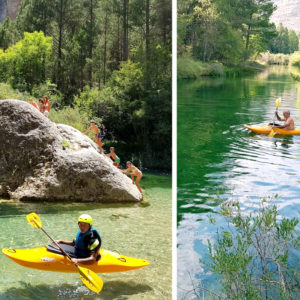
[
  {"x": 133, "y": 229},
  {"x": 219, "y": 158}
]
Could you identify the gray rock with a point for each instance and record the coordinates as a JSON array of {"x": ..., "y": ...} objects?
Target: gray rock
[{"x": 41, "y": 160}]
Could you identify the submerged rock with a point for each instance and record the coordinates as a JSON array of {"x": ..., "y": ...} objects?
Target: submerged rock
[{"x": 41, "y": 160}]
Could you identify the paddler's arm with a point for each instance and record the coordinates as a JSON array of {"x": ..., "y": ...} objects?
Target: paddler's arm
[
  {"x": 71, "y": 243},
  {"x": 92, "y": 258},
  {"x": 278, "y": 118}
]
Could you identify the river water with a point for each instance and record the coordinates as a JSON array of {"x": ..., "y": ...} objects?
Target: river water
[
  {"x": 218, "y": 159},
  {"x": 137, "y": 230}
]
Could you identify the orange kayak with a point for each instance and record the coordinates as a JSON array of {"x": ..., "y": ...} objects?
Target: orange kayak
[{"x": 266, "y": 129}]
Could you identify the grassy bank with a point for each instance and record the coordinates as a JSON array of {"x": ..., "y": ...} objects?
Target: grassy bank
[
  {"x": 268, "y": 58},
  {"x": 188, "y": 68},
  {"x": 295, "y": 66}
]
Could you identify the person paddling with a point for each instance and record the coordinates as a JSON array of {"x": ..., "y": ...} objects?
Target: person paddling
[
  {"x": 114, "y": 157},
  {"x": 87, "y": 243},
  {"x": 135, "y": 172},
  {"x": 97, "y": 133},
  {"x": 33, "y": 103},
  {"x": 288, "y": 121}
]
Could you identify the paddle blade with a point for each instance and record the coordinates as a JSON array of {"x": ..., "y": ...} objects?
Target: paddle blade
[
  {"x": 91, "y": 280},
  {"x": 34, "y": 220},
  {"x": 277, "y": 102},
  {"x": 272, "y": 133}
]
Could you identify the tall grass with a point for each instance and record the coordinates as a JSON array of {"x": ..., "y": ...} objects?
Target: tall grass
[
  {"x": 295, "y": 65},
  {"x": 70, "y": 116},
  {"x": 268, "y": 58}
]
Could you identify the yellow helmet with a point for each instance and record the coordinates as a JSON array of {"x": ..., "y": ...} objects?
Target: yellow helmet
[{"x": 85, "y": 219}]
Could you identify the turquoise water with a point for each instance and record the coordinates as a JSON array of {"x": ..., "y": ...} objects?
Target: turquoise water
[
  {"x": 219, "y": 160},
  {"x": 137, "y": 230}
]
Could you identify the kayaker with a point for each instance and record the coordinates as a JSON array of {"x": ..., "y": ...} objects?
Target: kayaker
[
  {"x": 114, "y": 157},
  {"x": 87, "y": 243},
  {"x": 97, "y": 133},
  {"x": 288, "y": 121},
  {"x": 134, "y": 172}
]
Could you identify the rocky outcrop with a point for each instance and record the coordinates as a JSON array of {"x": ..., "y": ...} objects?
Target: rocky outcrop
[
  {"x": 41, "y": 160},
  {"x": 9, "y": 8}
]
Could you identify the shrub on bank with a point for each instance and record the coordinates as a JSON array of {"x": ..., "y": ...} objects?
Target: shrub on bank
[{"x": 255, "y": 254}]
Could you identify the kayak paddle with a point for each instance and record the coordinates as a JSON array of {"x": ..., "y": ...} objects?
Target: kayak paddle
[
  {"x": 277, "y": 103},
  {"x": 90, "y": 279}
]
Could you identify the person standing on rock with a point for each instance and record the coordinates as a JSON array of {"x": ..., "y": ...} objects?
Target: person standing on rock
[
  {"x": 33, "y": 103},
  {"x": 47, "y": 106},
  {"x": 134, "y": 172},
  {"x": 42, "y": 106},
  {"x": 114, "y": 157},
  {"x": 88, "y": 242},
  {"x": 97, "y": 133}
]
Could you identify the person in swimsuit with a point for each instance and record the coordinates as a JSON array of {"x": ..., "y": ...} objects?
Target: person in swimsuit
[
  {"x": 134, "y": 172},
  {"x": 114, "y": 157},
  {"x": 97, "y": 133},
  {"x": 33, "y": 103},
  {"x": 42, "y": 106},
  {"x": 47, "y": 106},
  {"x": 87, "y": 243},
  {"x": 288, "y": 121}
]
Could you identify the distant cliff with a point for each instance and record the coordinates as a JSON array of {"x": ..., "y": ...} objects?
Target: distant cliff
[
  {"x": 287, "y": 13},
  {"x": 8, "y": 8}
]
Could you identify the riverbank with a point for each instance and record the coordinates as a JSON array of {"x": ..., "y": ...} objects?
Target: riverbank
[
  {"x": 136, "y": 230},
  {"x": 189, "y": 68}
]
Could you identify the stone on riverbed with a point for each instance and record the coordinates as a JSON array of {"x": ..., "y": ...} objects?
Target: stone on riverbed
[{"x": 44, "y": 161}]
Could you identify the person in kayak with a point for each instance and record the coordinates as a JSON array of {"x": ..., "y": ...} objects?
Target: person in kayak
[
  {"x": 134, "y": 172},
  {"x": 114, "y": 157},
  {"x": 87, "y": 243},
  {"x": 287, "y": 119},
  {"x": 97, "y": 133}
]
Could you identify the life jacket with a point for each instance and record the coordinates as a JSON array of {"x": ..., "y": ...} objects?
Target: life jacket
[{"x": 82, "y": 250}]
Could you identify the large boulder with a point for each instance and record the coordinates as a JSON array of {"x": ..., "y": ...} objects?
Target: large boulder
[{"x": 41, "y": 160}]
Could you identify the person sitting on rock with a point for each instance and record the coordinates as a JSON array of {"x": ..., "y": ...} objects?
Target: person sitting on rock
[
  {"x": 87, "y": 243},
  {"x": 114, "y": 157},
  {"x": 33, "y": 103},
  {"x": 97, "y": 133},
  {"x": 134, "y": 172},
  {"x": 47, "y": 106},
  {"x": 42, "y": 106}
]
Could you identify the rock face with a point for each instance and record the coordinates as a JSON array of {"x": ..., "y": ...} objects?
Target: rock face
[
  {"x": 9, "y": 8},
  {"x": 41, "y": 160}
]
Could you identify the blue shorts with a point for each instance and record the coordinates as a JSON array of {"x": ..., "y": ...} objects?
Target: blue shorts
[{"x": 99, "y": 135}]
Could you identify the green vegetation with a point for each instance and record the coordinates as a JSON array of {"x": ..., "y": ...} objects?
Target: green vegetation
[
  {"x": 295, "y": 65},
  {"x": 225, "y": 33},
  {"x": 108, "y": 60},
  {"x": 254, "y": 255},
  {"x": 285, "y": 42},
  {"x": 268, "y": 58}
]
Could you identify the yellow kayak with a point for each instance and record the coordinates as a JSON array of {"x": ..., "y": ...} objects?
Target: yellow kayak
[
  {"x": 50, "y": 259},
  {"x": 266, "y": 129}
]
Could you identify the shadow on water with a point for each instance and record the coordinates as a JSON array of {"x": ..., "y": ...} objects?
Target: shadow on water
[{"x": 111, "y": 290}]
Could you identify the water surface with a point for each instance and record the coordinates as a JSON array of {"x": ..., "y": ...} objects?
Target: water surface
[
  {"x": 136, "y": 230},
  {"x": 218, "y": 159}
]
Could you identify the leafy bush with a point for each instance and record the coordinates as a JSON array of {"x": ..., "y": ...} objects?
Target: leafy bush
[
  {"x": 7, "y": 92},
  {"x": 253, "y": 255},
  {"x": 24, "y": 64},
  {"x": 70, "y": 116}
]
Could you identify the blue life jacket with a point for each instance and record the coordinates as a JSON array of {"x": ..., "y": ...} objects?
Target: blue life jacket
[{"x": 81, "y": 249}]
